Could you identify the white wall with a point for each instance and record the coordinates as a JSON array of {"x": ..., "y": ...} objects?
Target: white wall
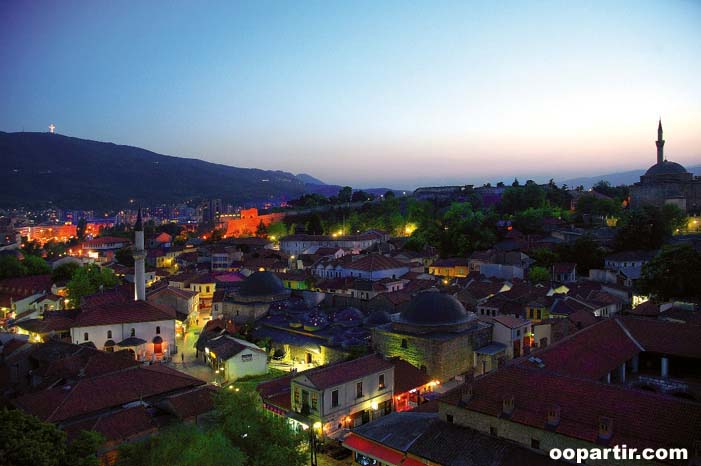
[
  {"x": 239, "y": 366},
  {"x": 144, "y": 330}
]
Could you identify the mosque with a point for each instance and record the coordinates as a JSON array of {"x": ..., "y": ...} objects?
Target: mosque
[{"x": 667, "y": 183}]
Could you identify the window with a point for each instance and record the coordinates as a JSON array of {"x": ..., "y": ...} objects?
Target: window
[
  {"x": 449, "y": 418},
  {"x": 315, "y": 401},
  {"x": 109, "y": 333},
  {"x": 404, "y": 343},
  {"x": 535, "y": 443},
  {"x": 296, "y": 396},
  {"x": 133, "y": 332},
  {"x": 246, "y": 357},
  {"x": 358, "y": 389},
  {"x": 158, "y": 330},
  {"x": 382, "y": 381},
  {"x": 207, "y": 289},
  {"x": 334, "y": 398},
  {"x": 85, "y": 336},
  {"x": 493, "y": 431}
]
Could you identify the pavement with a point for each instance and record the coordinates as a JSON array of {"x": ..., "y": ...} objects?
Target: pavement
[{"x": 190, "y": 363}]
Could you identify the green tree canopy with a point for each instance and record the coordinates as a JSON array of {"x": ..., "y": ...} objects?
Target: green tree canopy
[
  {"x": 87, "y": 280},
  {"x": 125, "y": 256},
  {"x": 11, "y": 267},
  {"x": 182, "y": 445},
  {"x": 25, "y": 440},
  {"x": 36, "y": 265},
  {"x": 345, "y": 194},
  {"x": 538, "y": 274},
  {"x": 64, "y": 272},
  {"x": 585, "y": 252},
  {"x": 248, "y": 428},
  {"x": 675, "y": 273},
  {"x": 648, "y": 227}
]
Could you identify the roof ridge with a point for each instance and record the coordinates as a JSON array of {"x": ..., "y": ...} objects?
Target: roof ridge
[{"x": 630, "y": 335}]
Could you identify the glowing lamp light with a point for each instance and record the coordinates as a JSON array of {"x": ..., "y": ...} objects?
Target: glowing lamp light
[
  {"x": 373, "y": 405},
  {"x": 317, "y": 425}
]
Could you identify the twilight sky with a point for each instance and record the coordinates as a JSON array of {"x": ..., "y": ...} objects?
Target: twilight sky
[{"x": 371, "y": 93}]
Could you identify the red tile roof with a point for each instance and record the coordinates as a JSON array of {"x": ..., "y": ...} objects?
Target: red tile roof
[
  {"x": 192, "y": 403},
  {"x": 118, "y": 426},
  {"x": 375, "y": 262},
  {"x": 640, "y": 419},
  {"x": 126, "y": 312},
  {"x": 511, "y": 322},
  {"x": 90, "y": 395},
  {"x": 346, "y": 371},
  {"x": 407, "y": 376},
  {"x": 590, "y": 353},
  {"x": 677, "y": 339}
]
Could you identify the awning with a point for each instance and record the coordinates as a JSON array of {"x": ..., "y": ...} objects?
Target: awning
[
  {"x": 157, "y": 339},
  {"x": 109, "y": 343},
  {"x": 373, "y": 450},
  {"x": 131, "y": 341}
]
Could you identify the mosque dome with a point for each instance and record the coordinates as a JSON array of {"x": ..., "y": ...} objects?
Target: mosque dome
[
  {"x": 378, "y": 317},
  {"x": 666, "y": 168},
  {"x": 262, "y": 284},
  {"x": 432, "y": 308}
]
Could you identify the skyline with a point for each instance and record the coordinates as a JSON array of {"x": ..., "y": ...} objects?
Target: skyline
[{"x": 365, "y": 95}]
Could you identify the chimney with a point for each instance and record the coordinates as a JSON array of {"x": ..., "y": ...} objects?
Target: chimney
[
  {"x": 466, "y": 394},
  {"x": 507, "y": 405},
  {"x": 553, "y": 416},
  {"x": 605, "y": 428}
]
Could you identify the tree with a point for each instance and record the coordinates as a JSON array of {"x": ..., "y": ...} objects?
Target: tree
[
  {"x": 648, "y": 227},
  {"x": 125, "y": 256},
  {"x": 182, "y": 445},
  {"x": 31, "y": 248},
  {"x": 55, "y": 249},
  {"x": 277, "y": 230},
  {"x": 248, "y": 427},
  {"x": 11, "y": 267},
  {"x": 361, "y": 196},
  {"x": 315, "y": 226},
  {"x": 88, "y": 280},
  {"x": 80, "y": 229},
  {"x": 544, "y": 257},
  {"x": 389, "y": 195},
  {"x": 25, "y": 440},
  {"x": 675, "y": 273},
  {"x": 538, "y": 274},
  {"x": 585, "y": 252},
  {"x": 64, "y": 272},
  {"x": 35, "y": 265},
  {"x": 345, "y": 194},
  {"x": 261, "y": 230}
]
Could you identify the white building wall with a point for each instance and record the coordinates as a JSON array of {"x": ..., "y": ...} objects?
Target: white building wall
[
  {"x": 247, "y": 362},
  {"x": 144, "y": 330}
]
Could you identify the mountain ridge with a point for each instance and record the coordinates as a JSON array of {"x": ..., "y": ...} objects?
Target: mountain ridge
[{"x": 44, "y": 168}]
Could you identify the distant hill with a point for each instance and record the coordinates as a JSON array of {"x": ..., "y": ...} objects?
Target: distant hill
[
  {"x": 618, "y": 178},
  {"x": 306, "y": 178},
  {"x": 42, "y": 168}
]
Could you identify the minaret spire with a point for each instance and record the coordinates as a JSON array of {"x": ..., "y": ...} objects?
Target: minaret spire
[
  {"x": 660, "y": 143},
  {"x": 139, "y": 260}
]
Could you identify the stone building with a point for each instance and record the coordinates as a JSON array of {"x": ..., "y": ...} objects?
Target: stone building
[
  {"x": 253, "y": 299},
  {"x": 667, "y": 183},
  {"x": 435, "y": 333}
]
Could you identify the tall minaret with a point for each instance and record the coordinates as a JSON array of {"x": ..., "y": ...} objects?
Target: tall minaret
[
  {"x": 660, "y": 143},
  {"x": 139, "y": 257}
]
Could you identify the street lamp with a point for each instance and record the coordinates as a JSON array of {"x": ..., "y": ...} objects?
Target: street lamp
[{"x": 312, "y": 442}]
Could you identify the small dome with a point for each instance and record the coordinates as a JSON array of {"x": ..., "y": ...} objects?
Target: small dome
[
  {"x": 378, "y": 317},
  {"x": 262, "y": 284},
  {"x": 434, "y": 308},
  {"x": 349, "y": 314},
  {"x": 666, "y": 168}
]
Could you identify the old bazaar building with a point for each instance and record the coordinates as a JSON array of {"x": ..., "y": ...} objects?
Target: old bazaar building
[
  {"x": 346, "y": 394},
  {"x": 435, "y": 334}
]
